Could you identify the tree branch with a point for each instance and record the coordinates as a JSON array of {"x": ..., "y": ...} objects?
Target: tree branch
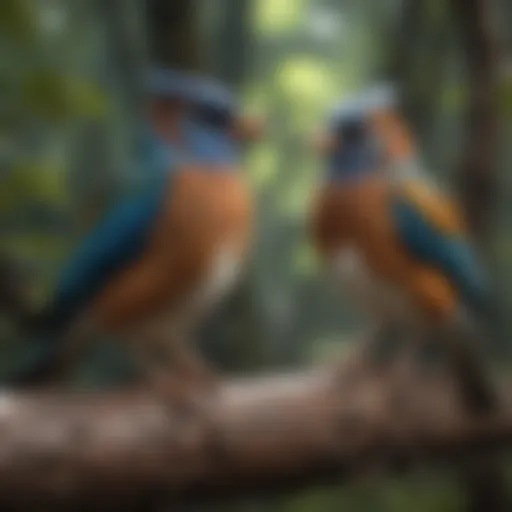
[{"x": 261, "y": 434}]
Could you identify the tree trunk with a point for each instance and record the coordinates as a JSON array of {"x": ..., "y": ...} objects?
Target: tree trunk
[
  {"x": 174, "y": 37},
  {"x": 478, "y": 181},
  {"x": 478, "y": 185}
]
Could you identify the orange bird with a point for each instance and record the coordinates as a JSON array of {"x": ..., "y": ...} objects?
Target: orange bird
[
  {"x": 396, "y": 243},
  {"x": 165, "y": 256}
]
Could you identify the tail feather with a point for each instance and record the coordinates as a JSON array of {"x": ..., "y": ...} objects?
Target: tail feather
[
  {"x": 490, "y": 319},
  {"x": 466, "y": 349},
  {"x": 38, "y": 366},
  {"x": 40, "y": 362}
]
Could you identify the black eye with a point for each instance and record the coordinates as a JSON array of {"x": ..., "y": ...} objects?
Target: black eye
[
  {"x": 353, "y": 130},
  {"x": 214, "y": 116}
]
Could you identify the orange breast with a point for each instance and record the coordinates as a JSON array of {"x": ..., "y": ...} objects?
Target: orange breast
[
  {"x": 204, "y": 210},
  {"x": 358, "y": 216}
]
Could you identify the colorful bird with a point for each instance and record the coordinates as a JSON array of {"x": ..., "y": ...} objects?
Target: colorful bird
[
  {"x": 399, "y": 245},
  {"x": 164, "y": 256}
]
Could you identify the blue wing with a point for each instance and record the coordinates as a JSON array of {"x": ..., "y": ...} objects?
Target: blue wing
[
  {"x": 152, "y": 162},
  {"x": 118, "y": 239},
  {"x": 452, "y": 254}
]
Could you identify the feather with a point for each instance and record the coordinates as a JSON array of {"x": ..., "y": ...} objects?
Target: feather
[
  {"x": 115, "y": 242},
  {"x": 450, "y": 253}
]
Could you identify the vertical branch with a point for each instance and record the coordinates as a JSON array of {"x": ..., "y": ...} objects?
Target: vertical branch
[
  {"x": 127, "y": 46},
  {"x": 234, "y": 40},
  {"x": 478, "y": 185},
  {"x": 478, "y": 168},
  {"x": 404, "y": 51},
  {"x": 418, "y": 61},
  {"x": 174, "y": 38}
]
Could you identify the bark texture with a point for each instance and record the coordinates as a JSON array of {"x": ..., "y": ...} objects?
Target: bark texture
[{"x": 128, "y": 451}]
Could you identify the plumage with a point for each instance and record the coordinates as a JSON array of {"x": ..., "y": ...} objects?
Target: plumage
[
  {"x": 397, "y": 244},
  {"x": 450, "y": 252},
  {"x": 358, "y": 216},
  {"x": 406, "y": 234},
  {"x": 118, "y": 240},
  {"x": 166, "y": 253}
]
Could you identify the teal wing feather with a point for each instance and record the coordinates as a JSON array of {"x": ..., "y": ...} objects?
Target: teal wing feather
[
  {"x": 118, "y": 239},
  {"x": 451, "y": 253}
]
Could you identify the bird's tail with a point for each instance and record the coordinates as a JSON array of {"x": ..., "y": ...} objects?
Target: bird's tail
[
  {"x": 41, "y": 360},
  {"x": 14, "y": 288},
  {"x": 492, "y": 322},
  {"x": 498, "y": 328},
  {"x": 474, "y": 377},
  {"x": 42, "y": 330},
  {"x": 38, "y": 366},
  {"x": 468, "y": 357}
]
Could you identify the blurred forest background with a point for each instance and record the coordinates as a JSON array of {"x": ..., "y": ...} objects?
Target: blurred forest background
[{"x": 70, "y": 106}]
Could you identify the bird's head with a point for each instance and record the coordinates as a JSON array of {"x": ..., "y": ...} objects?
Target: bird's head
[
  {"x": 216, "y": 108},
  {"x": 217, "y": 128},
  {"x": 363, "y": 134},
  {"x": 199, "y": 115},
  {"x": 170, "y": 96}
]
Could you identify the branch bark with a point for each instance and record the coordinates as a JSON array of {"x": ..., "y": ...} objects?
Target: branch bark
[{"x": 121, "y": 451}]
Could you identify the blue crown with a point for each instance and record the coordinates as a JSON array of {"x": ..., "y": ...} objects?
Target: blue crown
[
  {"x": 179, "y": 84},
  {"x": 212, "y": 93},
  {"x": 170, "y": 83},
  {"x": 370, "y": 100}
]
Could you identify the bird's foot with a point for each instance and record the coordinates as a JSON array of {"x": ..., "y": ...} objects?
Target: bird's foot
[
  {"x": 350, "y": 367},
  {"x": 475, "y": 382},
  {"x": 201, "y": 388},
  {"x": 360, "y": 361},
  {"x": 469, "y": 364},
  {"x": 186, "y": 393},
  {"x": 430, "y": 359}
]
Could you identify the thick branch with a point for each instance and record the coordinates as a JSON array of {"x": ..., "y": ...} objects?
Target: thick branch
[{"x": 262, "y": 434}]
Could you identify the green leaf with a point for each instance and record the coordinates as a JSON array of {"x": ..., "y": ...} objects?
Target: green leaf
[
  {"x": 42, "y": 182},
  {"x": 57, "y": 96},
  {"x": 18, "y": 20}
]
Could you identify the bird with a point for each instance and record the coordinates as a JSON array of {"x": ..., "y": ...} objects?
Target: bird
[
  {"x": 165, "y": 255},
  {"x": 396, "y": 242}
]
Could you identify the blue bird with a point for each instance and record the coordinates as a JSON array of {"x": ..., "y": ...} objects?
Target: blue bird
[
  {"x": 395, "y": 240},
  {"x": 166, "y": 254}
]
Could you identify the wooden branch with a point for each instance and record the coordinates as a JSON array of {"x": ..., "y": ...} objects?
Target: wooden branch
[{"x": 120, "y": 451}]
